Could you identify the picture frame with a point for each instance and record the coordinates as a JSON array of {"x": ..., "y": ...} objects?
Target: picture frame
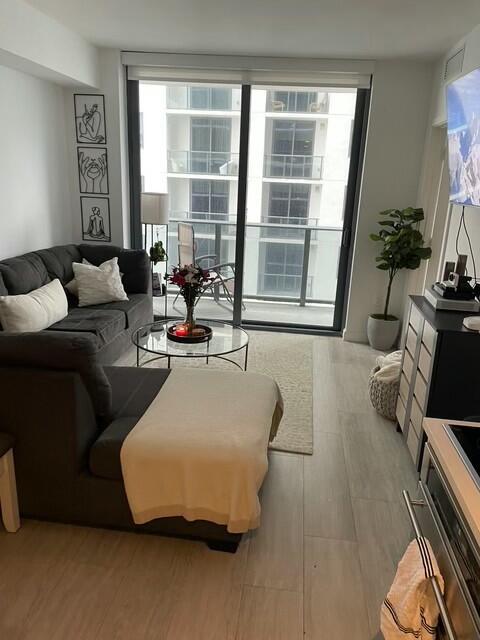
[
  {"x": 93, "y": 170},
  {"x": 96, "y": 223},
  {"x": 90, "y": 125}
]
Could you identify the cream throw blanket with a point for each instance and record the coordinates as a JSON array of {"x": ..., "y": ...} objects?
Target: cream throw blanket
[{"x": 200, "y": 449}]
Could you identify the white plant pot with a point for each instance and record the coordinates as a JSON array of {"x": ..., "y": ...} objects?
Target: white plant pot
[{"x": 382, "y": 334}]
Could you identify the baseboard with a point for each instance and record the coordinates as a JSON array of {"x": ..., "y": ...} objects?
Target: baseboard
[{"x": 355, "y": 336}]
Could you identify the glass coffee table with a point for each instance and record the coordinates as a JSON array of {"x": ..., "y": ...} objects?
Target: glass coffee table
[{"x": 226, "y": 339}]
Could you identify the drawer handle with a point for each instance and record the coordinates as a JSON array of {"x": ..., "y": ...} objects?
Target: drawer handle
[{"x": 442, "y": 607}]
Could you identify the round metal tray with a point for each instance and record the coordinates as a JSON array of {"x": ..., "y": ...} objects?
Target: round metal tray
[{"x": 171, "y": 335}]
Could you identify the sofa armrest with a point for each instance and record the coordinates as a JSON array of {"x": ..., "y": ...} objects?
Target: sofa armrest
[{"x": 133, "y": 263}]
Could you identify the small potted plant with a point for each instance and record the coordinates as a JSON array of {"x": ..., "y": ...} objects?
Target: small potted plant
[
  {"x": 157, "y": 254},
  {"x": 401, "y": 248}
]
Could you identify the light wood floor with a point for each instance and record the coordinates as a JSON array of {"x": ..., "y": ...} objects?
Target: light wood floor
[{"x": 333, "y": 529}]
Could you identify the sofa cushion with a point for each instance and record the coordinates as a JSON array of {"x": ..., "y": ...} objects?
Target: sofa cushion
[
  {"x": 134, "y": 264},
  {"x": 137, "y": 309},
  {"x": 24, "y": 274},
  {"x": 34, "y": 311},
  {"x": 62, "y": 352},
  {"x": 105, "y": 323},
  {"x": 134, "y": 388},
  {"x": 98, "y": 285},
  {"x": 105, "y": 452},
  {"x": 58, "y": 261}
]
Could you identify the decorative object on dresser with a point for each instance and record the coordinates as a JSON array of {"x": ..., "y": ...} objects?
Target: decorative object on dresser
[
  {"x": 154, "y": 213},
  {"x": 384, "y": 382},
  {"x": 440, "y": 371},
  {"x": 8, "y": 485},
  {"x": 402, "y": 248}
]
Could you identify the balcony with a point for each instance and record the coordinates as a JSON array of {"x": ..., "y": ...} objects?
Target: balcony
[
  {"x": 293, "y": 166},
  {"x": 301, "y": 291},
  {"x": 217, "y": 163},
  {"x": 210, "y": 99},
  {"x": 295, "y": 102}
]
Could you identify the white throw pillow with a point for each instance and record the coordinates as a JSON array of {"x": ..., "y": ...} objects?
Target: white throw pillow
[
  {"x": 99, "y": 285},
  {"x": 34, "y": 311},
  {"x": 72, "y": 286}
]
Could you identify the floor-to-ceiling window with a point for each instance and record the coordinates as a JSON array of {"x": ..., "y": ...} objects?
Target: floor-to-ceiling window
[{"x": 297, "y": 182}]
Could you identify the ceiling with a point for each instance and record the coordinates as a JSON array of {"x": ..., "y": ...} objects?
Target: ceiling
[{"x": 315, "y": 28}]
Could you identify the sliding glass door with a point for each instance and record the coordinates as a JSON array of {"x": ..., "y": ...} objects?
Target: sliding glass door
[
  {"x": 275, "y": 211},
  {"x": 299, "y": 160},
  {"x": 189, "y": 149}
]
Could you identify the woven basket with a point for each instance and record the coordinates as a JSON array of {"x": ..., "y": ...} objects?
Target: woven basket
[{"x": 383, "y": 396}]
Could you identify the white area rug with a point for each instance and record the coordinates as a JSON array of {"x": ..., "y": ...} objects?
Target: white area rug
[{"x": 287, "y": 358}]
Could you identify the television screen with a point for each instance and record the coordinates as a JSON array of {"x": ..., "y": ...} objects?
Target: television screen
[{"x": 463, "y": 118}]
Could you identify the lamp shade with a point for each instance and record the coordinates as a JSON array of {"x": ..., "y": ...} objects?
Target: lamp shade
[{"x": 154, "y": 208}]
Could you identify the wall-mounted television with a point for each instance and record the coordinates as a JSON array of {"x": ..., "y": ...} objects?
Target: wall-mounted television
[{"x": 463, "y": 119}]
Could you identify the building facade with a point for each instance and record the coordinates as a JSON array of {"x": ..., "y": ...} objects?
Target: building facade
[{"x": 299, "y": 155}]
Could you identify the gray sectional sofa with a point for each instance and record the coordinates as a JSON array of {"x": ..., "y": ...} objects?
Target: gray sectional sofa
[
  {"x": 68, "y": 412},
  {"x": 110, "y": 324}
]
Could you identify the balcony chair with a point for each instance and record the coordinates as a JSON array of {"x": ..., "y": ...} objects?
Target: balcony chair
[{"x": 224, "y": 273}]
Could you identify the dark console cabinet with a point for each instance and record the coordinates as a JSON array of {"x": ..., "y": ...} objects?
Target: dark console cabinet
[{"x": 440, "y": 371}]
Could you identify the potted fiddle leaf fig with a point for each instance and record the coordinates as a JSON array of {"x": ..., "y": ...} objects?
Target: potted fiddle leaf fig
[{"x": 401, "y": 247}]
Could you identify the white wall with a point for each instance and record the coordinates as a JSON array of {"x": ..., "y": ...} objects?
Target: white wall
[
  {"x": 393, "y": 157},
  {"x": 35, "y": 210},
  {"x": 33, "y": 42},
  {"x": 434, "y": 188},
  {"x": 112, "y": 86}
]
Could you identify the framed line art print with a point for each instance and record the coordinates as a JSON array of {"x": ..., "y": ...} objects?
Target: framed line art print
[
  {"x": 90, "y": 118},
  {"x": 92, "y": 170},
  {"x": 95, "y": 219}
]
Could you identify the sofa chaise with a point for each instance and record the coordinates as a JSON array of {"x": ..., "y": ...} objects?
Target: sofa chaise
[{"x": 68, "y": 417}]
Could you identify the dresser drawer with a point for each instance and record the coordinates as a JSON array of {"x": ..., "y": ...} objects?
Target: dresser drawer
[
  {"x": 420, "y": 391},
  {"x": 428, "y": 337},
  {"x": 416, "y": 318},
  {"x": 403, "y": 389},
  {"x": 424, "y": 361},
  {"x": 411, "y": 340},
  {"x": 400, "y": 413},
  {"x": 416, "y": 416},
  {"x": 407, "y": 366},
  {"x": 412, "y": 443}
]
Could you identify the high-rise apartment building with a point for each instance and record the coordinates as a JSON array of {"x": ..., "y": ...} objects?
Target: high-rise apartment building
[{"x": 298, "y": 162}]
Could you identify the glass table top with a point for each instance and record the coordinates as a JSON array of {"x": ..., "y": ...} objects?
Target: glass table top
[{"x": 225, "y": 339}]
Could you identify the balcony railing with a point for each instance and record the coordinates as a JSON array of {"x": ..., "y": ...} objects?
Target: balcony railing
[
  {"x": 221, "y": 163},
  {"x": 209, "y": 100},
  {"x": 293, "y": 166},
  {"x": 292, "y": 103},
  {"x": 288, "y": 287}
]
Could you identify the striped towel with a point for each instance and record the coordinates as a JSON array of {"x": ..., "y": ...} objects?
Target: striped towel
[{"x": 410, "y": 609}]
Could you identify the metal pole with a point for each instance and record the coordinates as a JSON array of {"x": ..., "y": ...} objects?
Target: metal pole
[
  {"x": 218, "y": 249},
  {"x": 241, "y": 203},
  {"x": 306, "y": 259}
]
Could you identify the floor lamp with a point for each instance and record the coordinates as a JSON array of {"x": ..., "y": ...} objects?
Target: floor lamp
[{"x": 154, "y": 212}]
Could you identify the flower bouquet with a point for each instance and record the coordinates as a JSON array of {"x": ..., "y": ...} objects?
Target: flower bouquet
[{"x": 192, "y": 281}]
